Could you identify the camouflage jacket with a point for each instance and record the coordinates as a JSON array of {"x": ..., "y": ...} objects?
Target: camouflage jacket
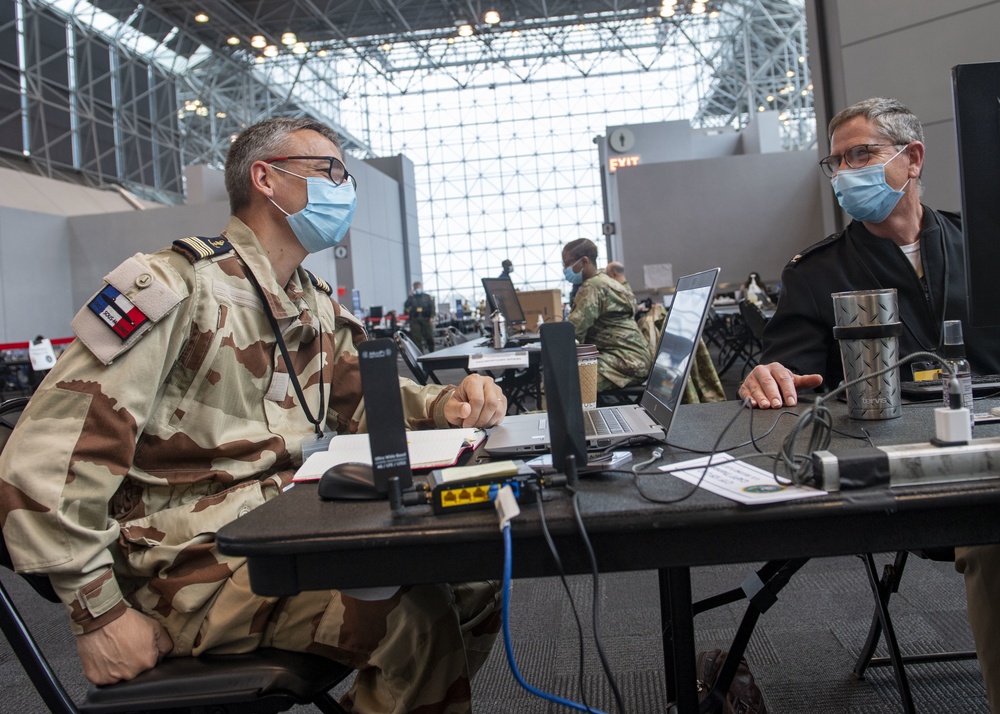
[
  {"x": 419, "y": 307},
  {"x": 135, "y": 451},
  {"x": 604, "y": 315}
]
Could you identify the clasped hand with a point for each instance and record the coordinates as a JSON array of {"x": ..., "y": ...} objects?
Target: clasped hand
[
  {"x": 476, "y": 402},
  {"x": 123, "y": 648}
]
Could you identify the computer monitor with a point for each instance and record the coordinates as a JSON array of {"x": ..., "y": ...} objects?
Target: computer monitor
[
  {"x": 977, "y": 122},
  {"x": 375, "y": 311},
  {"x": 500, "y": 295}
]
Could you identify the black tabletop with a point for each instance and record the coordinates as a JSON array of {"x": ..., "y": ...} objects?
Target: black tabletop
[{"x": 298, "y": 542}]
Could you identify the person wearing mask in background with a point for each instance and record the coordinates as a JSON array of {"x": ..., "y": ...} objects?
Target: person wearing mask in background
[
  {"x": 198, "y": 375},
  {"x": 508, "y": 268},
  {"x": 603, "y": 315},
  {"x": 419, "y": 308},
  {"x": 894, "y": 241}
]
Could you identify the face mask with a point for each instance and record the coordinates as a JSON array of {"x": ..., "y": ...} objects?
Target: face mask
[
  {"x": 865, "y": 194},
  {"x": 571, "y": 277},
  {"x": 418, "y": 291},
  {"x": 324, "y": 221}
]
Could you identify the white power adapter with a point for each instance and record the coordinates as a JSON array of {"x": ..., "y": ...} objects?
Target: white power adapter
[{"x": 952, "y": 425}]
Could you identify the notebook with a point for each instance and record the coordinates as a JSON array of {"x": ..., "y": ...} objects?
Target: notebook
[{"x": 650, "y": 420}]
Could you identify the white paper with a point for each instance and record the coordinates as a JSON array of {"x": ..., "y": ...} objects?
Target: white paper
[
  {"x": 738, "y": 480},
  {"x": 434, "y": 447},
  {"x": 658, "y": 275},
  {"x": 499, "y": 360}
]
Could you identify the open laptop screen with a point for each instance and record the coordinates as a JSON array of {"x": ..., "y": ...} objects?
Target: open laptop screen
[
  {"x": 500, "y": 295},
  {"x": 672, "y": 364}
]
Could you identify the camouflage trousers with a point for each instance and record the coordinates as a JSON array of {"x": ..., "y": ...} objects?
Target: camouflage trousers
[
  {"x": 417, "y": 650},
  {"x": 614, "y": 372},
  {"x": 981, "y": 566}
]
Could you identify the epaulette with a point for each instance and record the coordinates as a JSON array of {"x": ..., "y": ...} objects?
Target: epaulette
[
  {"x": 196, "y": 248},
  {"x": 814, "y": 247},
  {"x": 320, "y": 284}
]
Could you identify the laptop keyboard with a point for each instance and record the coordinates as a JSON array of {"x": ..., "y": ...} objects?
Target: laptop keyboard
[{"x": 599, "y": 422}]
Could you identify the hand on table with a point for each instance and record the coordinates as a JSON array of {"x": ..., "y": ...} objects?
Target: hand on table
[
  {"x": 771, "y": 386},
  {"x": 476, "y": 402}
]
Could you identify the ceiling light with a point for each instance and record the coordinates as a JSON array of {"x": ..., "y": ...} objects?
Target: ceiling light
[
  {"x": 220, "y": 115},
  {"x": 464, "y": 30},
  {"x": 299, "y": 48},
  {"x": 322, "y": 53},
  {"x": 385, "y": 46},
  {"x": 790, "y": 73},
  {"x": 761, "y": 108},
  {"x": 697, "y": 8},
  {"x": 647, "y": 20},
  {"x": 667, "y": 11},
  {"x": 201, "y": 17},
  {"x": 802, "y": 59},
  {"x": 515, "y": 33},
  {"x": 258, "y": 59},
  {"x": 714, "y": 14},
  {"x": 491, "y": 17},
  {"x": 770, "y": 97},
  {"x": 201, "y": 111},
  {"x": 782, "y": 116},
  {"x": 258, "y": 42},
  {"x": 234, "y": 40},
  {"x": 288, "y": 39},
  {"x": 271, "y": 51}
]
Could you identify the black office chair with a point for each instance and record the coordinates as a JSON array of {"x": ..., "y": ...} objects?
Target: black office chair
[
  {"x": 754, "y": 321},
  {"x": 261, "y": 682},
  {"x": 409, "y": 351},
  {"x": 882, "y": 589},
  {"x": 453, "y": 336}
]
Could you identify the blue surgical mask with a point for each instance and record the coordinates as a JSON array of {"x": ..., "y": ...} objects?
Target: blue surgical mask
[
  {"x": 324, "y": 221},
  {"x": 865, "y": 194},
  {"x": 571, "y": 277}
]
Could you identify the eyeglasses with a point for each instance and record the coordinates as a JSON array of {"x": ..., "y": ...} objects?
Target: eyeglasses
[
  {"x": 336, "y": 169},
  {"x": 855, "y": 157}
]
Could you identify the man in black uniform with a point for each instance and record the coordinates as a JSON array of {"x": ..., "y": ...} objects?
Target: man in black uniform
[
  {"x": 894, "y": 241},
  {"x": 420, "y": 309}
]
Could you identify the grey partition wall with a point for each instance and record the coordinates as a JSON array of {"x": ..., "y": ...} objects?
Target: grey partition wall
[{"x": 744, "y": 213}]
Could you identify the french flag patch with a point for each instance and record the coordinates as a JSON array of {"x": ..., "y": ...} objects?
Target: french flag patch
[{"x": 117, "y": 311}]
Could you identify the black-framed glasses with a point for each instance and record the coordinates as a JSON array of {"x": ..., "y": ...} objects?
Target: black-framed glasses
[
  {"x": 336, "y": 169},
  {"x": 856, "y": 157}
]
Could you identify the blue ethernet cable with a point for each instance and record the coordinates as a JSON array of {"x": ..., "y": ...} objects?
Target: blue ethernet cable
[{"x": 507, "y": 567}]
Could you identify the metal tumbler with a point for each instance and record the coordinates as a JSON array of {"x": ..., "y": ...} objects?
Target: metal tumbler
[{"x": 868, "y": 328}]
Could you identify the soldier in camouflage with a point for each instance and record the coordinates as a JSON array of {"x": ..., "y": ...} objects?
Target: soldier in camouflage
[
  {"x": 172, "y": 414},
  {"x": 604, "y": 315},
  {"x": 419, "y": 308}
]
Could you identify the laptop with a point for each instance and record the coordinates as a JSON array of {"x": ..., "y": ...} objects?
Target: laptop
[
  {"x": 501, "y": 295},
  {"x": 608, "y": 427}
]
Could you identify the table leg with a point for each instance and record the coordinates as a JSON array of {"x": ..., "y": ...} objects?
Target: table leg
[{"x": 677, "y": 619}]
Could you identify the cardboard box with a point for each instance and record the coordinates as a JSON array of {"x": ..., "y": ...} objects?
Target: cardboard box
[{"x": 544, "y": 303}]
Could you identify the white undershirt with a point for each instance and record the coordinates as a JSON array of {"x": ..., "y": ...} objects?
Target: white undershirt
[{"x": 912, "y": 252}]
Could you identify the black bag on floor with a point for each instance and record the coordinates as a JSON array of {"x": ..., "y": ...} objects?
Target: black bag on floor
[{"x": 743, "y": 697}]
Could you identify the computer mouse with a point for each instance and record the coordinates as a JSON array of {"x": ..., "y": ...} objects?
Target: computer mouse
[{"x": 349, "y": 482}]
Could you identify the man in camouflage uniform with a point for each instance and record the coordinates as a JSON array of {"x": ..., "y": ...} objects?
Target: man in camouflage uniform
[
  {"x": 171, "y": 415},
  {"x": 419, "y": 308},
  {"x": 604, "y": 315}
]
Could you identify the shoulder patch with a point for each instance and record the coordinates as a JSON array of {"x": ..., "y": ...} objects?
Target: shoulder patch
[
  {"x": 320, "y": 284},
  {"x": 196, "y": 248},
  {"x": 126, "y": 307},
  {"x": 816, "y": 246}
]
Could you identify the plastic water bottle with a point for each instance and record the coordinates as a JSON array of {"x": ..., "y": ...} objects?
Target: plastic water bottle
[{"x": 953, "y": 352}]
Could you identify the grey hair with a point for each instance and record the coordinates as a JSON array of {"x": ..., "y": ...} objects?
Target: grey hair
[
  {"x": 261, "y": 141},
  {"x": 890, "y": 116}
]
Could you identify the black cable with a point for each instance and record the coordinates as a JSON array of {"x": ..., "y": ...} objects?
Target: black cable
[
  {"x": 578, "y": 517},
  {"x": 562, "y": 576},
  {"x": 745, "y": 404}
]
